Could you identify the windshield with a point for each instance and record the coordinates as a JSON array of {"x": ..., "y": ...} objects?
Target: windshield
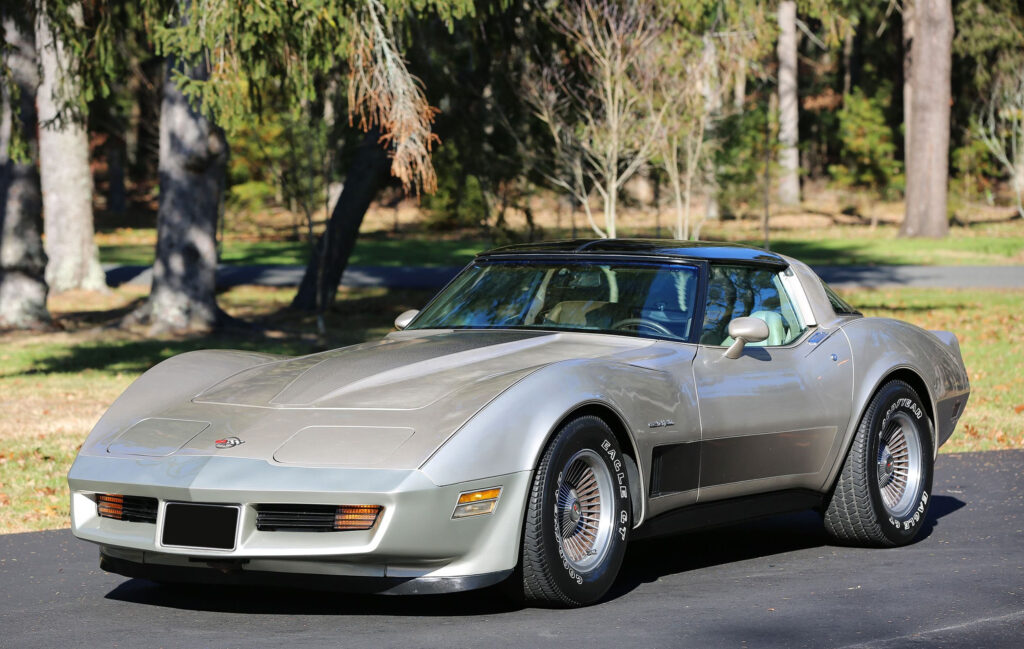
[{"x": 645, "y": 299}]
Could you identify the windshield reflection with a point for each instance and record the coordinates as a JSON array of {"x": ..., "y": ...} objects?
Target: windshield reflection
[{"x": 634, "y": 298}]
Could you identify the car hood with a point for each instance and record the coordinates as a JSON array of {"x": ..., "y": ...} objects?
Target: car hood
[
  {"x": 387, "y": 404},
  {"x": 398, "y": 373}
]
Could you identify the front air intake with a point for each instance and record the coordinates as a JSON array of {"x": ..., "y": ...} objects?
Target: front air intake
[
  {"x": 136, "y": 509},
  {"x": 316, "y": 518}
]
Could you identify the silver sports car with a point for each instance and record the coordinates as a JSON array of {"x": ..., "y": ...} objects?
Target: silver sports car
[{"x": 553, "y": 402}]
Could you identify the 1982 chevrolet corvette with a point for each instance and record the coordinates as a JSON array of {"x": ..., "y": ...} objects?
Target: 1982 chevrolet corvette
[{"x": 554, "y": 401}]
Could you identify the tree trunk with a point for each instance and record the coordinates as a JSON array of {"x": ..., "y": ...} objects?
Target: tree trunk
[
  {"x": 330, "y": 257},
  {"x": 1017, "y": 180},
  {"x": 848, "y": 43},
  {"x": 712, "y": 108},
  {"x": 789, "y": 128},
  {"x": 22, "y": 260},
  {"x": 66, "y": 179},
  {"x": 143, "y": 136},
  {"x": 193, "y": 156},
  {"x": 908, "y": 90},
  {"x": 766, "y": 216},
  {"x": 611, "y": 199},
  {"x": 928, "y": 160},
  {"x": 739, "y": 90},
  {"x": 117, "y": 199}
]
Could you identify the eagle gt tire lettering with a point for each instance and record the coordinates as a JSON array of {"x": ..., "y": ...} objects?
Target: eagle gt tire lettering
[
  {"x": 881, "y": 496},
  {"x": 578, "y": 517}
]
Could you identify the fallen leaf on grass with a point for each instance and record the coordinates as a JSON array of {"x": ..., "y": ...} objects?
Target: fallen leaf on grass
[
  {"x": 39, "y": 455},
  {"x": 4, "y": 499},
  {"x": 1019, "y": 409}
]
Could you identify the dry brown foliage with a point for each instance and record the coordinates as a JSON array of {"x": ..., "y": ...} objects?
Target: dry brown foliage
[{"x": 383, "y": 94}]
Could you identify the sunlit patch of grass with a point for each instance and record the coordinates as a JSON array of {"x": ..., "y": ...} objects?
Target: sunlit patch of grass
[
  {"x": 989, "y": 325},
  {"x": 33, "y": 481}
]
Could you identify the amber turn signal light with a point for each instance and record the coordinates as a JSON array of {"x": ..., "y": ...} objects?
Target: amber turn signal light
[
  {"x": 110, "y": 505},
  {"x": 475, "y": 503},
  {"x": 476, "y": 496},
  {"x": 356, "y": 517}
]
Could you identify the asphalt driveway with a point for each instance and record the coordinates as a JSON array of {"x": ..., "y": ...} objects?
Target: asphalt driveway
[
  {"x": 437, "y": 276},
  {"x": 771, "y": 583}
]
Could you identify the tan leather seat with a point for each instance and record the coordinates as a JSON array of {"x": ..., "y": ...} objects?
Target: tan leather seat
[
  {"x": 573, "y": 312},
  {"x": 776, "y": 327}
]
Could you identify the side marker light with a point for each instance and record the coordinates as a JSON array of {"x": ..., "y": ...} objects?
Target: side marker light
[{"x": 476, "y": 503}]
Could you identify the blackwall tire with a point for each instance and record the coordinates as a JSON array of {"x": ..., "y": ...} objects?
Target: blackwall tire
[
  {"x": 881, "y": 496},
  {"x": 578, "y": 517}
]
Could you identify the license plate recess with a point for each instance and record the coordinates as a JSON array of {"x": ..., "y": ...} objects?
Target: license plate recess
[{"x": 197, "y": 525}]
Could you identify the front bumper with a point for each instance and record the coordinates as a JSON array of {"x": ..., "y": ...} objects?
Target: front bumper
[{"x": 415, "y": 546}]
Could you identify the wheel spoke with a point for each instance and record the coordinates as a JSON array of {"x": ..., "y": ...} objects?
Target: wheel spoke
[{"x": 582, "y": 509}]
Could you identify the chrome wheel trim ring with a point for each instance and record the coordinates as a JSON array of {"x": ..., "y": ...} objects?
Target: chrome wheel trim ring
[
  {"x": 583, "y": 511},
  {"x": 899, "y": 465}
]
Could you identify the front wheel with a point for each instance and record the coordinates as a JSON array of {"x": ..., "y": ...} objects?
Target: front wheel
[
  {"x": 578, "y": 517},
  {"x": 881, "y": 497}
]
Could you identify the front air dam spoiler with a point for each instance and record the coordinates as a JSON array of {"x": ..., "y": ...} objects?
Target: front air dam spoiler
[{"x": 236, "y": 575}]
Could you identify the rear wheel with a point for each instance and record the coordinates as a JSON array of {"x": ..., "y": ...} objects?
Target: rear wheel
[
  {"x": 578, "y": 517},
  {"x": 881, "y": 497}
]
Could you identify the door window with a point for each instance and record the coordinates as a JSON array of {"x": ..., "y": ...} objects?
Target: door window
[{"x": 738, "y": 291}]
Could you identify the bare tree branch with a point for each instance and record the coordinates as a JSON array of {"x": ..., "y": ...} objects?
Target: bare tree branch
[
  {"x": 598, "y": 100},
  {"x": 1000, "y": 126}
]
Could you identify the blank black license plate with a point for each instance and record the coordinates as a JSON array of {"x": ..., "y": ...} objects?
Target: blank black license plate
[{"x": 200, "y": 526}]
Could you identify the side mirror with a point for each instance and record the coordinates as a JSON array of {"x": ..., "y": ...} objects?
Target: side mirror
[
  {"x": 743, "y": 331},
  {"x": 403, "y": 320}
]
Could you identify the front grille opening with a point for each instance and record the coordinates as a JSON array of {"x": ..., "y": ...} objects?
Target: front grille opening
[
  {"x": 316, "y": 518},
  {"x": 136, "y": 509}
]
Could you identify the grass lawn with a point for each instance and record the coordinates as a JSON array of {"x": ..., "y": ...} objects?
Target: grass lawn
[
  {"x": 55, "y": 385},
  {"x": 883, "y": 247},
  {"x": 989, "y": 326},
  {"x": 982, "y": 244}
]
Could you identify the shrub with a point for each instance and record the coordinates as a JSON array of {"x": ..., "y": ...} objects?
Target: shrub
[
  {"x": 868, "y": 156},
  {"x": 460, "y": 200}
]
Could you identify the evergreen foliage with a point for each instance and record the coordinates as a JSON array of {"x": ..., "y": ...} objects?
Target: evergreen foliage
[
  {"x": 277, "y": 67},
  {"x": 868, "y": 151}
]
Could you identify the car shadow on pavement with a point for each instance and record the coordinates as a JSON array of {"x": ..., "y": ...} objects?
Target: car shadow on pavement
[
  {"x": 268, "y": 600},
  {"x": 645, "y": 561},
  {"x": 648, "y": 560}
]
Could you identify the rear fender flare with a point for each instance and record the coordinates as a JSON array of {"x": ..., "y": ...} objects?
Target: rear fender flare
[{"x": 883, "y": 348}]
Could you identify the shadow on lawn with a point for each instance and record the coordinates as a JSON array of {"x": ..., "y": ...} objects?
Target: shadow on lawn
[
  {"x": 351, "y": 320},
  {"x": 819, "y": 253},
  {"x": 140, "y": 355}
]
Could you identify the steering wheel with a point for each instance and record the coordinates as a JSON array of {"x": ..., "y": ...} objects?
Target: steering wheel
[{"x": 635, "y": 323}]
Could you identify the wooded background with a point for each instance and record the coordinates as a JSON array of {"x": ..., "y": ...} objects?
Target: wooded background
[{"x": 727, "y": 108}]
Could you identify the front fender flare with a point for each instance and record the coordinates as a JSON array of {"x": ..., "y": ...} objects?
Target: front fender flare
[{"x": 511, "y": 433}]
